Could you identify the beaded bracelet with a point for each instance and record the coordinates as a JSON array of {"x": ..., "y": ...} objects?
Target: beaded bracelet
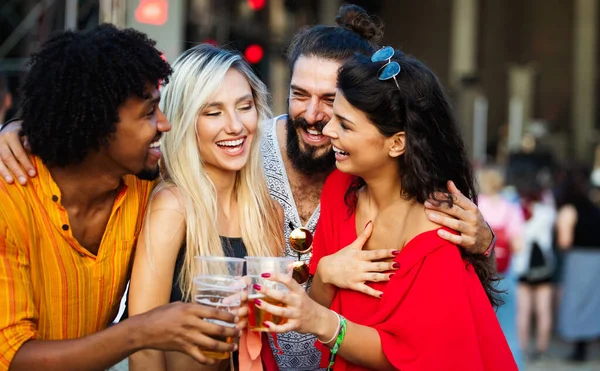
[{"x": 338, "y": 342}]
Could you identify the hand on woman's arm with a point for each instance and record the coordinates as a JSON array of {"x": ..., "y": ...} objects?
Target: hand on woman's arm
[
  {"x": 361, "y": 345},
  {"x": 474, "y": 234}
]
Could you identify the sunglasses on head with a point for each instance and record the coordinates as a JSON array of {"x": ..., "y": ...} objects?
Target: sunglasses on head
[
  {"x": 301, "y": 240},
  {"x": 389, "y": 70}
]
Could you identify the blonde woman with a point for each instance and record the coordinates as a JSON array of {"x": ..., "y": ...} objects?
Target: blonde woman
[{"x": 213, "y": 198}]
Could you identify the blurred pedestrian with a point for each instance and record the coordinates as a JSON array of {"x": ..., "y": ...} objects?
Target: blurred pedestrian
[
  {"x": 576, "y": 234},
  {"x": 506, "y": 219},
  {"x": 535, "y": 264}
]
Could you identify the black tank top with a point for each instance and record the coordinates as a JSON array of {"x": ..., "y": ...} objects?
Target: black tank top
[
  {"x": 588, "y": 219},
  {"x": 232, "y": 247}
]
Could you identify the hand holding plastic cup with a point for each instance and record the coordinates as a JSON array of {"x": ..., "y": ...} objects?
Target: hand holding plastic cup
[
  {"x": 256, "y": 266},
  {"x": 218, "y": 283}
]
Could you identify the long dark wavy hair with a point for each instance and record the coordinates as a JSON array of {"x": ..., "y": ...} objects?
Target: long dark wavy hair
[{"x": 434, "y": 150}]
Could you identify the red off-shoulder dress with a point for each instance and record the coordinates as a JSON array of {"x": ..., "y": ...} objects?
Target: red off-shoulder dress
[{"x": 434, "y": 313}]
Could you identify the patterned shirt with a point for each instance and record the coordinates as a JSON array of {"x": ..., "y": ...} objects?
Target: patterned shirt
[
  {"x": 51, "y": 288},
  {"x": 299, "y": 352}
]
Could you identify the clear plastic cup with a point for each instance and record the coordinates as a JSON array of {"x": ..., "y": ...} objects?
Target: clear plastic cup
[
  {"x": 218, "y": 283},
  {"x": 256, "y": 266}
]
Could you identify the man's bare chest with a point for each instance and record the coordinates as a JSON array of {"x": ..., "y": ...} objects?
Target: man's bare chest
[{"x": 306, "y": 199}]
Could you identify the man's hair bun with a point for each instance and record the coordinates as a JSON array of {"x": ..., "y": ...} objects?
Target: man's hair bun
[{"x": 357, "y": 20}]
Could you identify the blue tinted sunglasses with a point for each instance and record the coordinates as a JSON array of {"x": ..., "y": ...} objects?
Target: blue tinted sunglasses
[{"x": 389, "y": 70}]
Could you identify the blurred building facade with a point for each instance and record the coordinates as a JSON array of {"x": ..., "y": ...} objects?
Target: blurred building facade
[{"x": 512, "y": 66}]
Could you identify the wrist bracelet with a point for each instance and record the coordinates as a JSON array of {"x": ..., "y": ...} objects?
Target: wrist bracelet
[
  {"x": 338, "y": 342},
  {"x": 337, "y": 330},
  {"x": 492, "y": 245}
]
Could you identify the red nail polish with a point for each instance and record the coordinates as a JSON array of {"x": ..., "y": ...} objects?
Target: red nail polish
[
  {"x": 369, "y": 222},
  {"x": 257, "y": 302},
  {"x": 266, "y": 325},
  {"x": 396, "y": 265},
  {"x": 265, "y": 275},
  {"x": 395, "y": 252},
  {"x": 257, "y": 287},
  {"x": 392, "y": 275},
  {"x": 381, "y": 295}
]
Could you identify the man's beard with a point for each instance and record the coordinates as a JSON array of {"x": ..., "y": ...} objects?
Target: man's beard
[
  {"x": 148, "y": 174},
  {"x": 304, "y": 160}
]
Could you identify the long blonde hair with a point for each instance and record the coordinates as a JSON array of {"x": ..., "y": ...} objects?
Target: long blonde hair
[{"x": 198, "y": 73}]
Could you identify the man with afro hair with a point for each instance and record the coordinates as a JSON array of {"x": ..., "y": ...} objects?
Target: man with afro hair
[{"x": 90, "y": 113}]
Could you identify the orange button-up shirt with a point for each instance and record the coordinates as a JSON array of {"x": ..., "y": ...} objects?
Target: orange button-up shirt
[{"x": 51, "y": 288}]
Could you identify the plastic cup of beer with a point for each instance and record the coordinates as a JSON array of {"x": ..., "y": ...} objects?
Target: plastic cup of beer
[
  {"x": 256, "y": 266},
  {"x": 218, "y": 283}
]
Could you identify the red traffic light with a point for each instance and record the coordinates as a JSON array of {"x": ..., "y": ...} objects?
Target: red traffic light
[
  {"x": 154, "y": 12},
  {"x": 256, "y": 4},
  {"x": 254, "y": 53},
  {"x": 212, "y": 42}
]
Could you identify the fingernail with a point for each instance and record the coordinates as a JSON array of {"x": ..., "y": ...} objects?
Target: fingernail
[
  {"x": 235, "y": 347},
  {"x": 8, "y": 179},
  {"x": 31, "y": 172},
  {"x": 381, "y": 295},
  {"x": 369, "y": 222},
  {"x": 395, "y": 252},
  {"x": 257, "y": 302},
  {"x": 265, "y": 275},
  {"x": 257, "y": 287},
  {"x": 396, "y": 265},
  {"x": 428, "y": 204},
  {"x": 392, "y": 275},
  {"x": 266, "y": 325},
  {"x": 22, "y": 180},
  {"x": 432, "y": 216}
]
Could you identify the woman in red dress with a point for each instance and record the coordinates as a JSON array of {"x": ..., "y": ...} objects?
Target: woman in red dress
[{"x": 396, "y": 142}]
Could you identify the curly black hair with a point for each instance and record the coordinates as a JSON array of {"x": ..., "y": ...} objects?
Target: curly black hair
[
  {"x": 76, "y": 84},
  {"x": 434, "y": 150}
]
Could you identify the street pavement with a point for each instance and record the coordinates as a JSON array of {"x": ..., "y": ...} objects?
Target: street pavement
[{"x": 554, "y": 360}]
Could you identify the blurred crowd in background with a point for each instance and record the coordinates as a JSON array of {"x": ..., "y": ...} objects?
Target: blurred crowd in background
[{"x": 545, "y": 216}]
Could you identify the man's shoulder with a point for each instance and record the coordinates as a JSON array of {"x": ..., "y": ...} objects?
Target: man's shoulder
[
  {"x": 279, "y": 119},
  {"x": 269, "y": 123},
  {"x": 21, "y": 195},
  {"x": 18, "y": 203},
  {"x": 16, "y": 194},
  {"x": 268, "y": 127}
]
